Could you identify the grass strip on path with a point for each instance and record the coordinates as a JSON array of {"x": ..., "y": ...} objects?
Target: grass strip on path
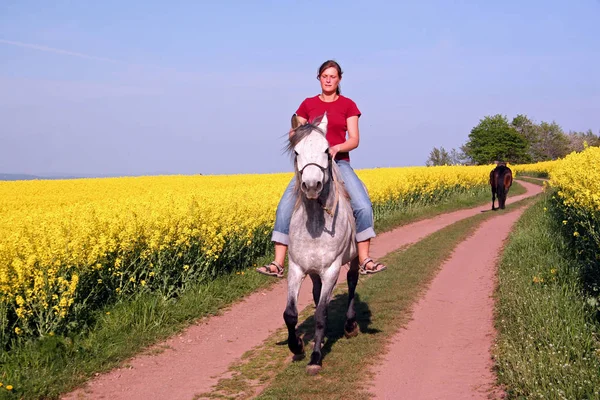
[
  {"x": 535, "y": 181},
  {"x": 44, "y": 368},
  {"x": 383, "y": 306},
  {"x": 548, "y": 344},
  {"x": 453, "y": 203}
]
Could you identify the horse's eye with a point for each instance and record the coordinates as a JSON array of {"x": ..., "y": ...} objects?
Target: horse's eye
[{"x": 295, "y": 152}]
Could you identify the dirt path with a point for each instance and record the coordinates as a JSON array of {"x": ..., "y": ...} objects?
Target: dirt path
[
  {"x": 444, "y": 352},
  {"x": 198, "y": 357}
]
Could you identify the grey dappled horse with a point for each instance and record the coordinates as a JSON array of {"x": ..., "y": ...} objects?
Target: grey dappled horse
[{"x": 322, "y": 236}]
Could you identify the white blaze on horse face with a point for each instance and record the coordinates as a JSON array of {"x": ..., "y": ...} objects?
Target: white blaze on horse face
[{"x": 312, "y": 158}]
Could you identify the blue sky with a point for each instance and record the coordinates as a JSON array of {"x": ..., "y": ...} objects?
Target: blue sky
[{"x": 186, "y": 87}]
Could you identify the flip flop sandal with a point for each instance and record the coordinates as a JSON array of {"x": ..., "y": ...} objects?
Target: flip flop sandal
[
  {"x": 267, "y": 270},
  {"x": 362, "y": 268}
]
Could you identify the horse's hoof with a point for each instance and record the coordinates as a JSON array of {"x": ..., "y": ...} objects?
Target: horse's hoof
[
  {"x": 313, "y": 369},
  {"x": 352, "y": 333},
  {"x": 298, "y": 350}
]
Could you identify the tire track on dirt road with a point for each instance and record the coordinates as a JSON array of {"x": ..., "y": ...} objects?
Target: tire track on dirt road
[
  {"x": 194, "y": 360},
  {"x": 444, "y": 352}
]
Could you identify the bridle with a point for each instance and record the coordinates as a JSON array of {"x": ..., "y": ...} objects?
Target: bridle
[{"x": 328, "y": 210}]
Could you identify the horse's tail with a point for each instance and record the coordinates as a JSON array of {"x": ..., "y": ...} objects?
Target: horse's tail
[
  {"x": 508, "y": 178},
  {"x": 500, "y": 190}
]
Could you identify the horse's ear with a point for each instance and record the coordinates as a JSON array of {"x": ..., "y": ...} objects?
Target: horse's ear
[
  {"x": 295, "y": 122},
  {"x": 323, "y": 123}
]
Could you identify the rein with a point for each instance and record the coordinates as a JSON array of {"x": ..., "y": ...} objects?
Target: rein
[{"x": 335, "y": 202}]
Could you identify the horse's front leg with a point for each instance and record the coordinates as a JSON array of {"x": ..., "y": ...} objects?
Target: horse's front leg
[
  {"x": 328, "y": 280},
  {"x": 290, "y": 315},
  {"x": 351, "y": 327},
  {"x": 316, "y": 291}
]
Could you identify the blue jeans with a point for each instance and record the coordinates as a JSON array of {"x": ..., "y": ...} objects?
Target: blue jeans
[{"x": 359, "y": 200}]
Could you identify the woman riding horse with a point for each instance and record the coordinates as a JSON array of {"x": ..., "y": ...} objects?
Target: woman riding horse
[{"x": 342, "y": 114}]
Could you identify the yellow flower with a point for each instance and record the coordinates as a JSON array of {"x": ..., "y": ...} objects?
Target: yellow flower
[
  {"x": 576, "y": 234},
  {"x": 52, "y": 233},
  {"x": 143, "y": 283},
  {"x": 9, "y": 387},
  {"x": 564, "y": 222},
  {"x": 553, "y": 271},
  {"x": 18, "y": 330}
]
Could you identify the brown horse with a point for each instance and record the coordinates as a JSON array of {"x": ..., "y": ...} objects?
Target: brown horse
[{"x": 501, "y": 180}]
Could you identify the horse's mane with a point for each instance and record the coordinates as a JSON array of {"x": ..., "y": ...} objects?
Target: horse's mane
[
  {"x": 337, "y": 178},
  {"x": 301, "y": 132},
  {"x": 343, "y": 193}
]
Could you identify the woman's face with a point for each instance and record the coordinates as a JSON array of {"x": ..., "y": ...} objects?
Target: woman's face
[{"x": 330, "y": 80}]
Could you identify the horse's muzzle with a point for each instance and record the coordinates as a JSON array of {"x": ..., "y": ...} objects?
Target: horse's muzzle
[
  {"x": 312, "y": 176},
  {"x": 312, "y": 189}
]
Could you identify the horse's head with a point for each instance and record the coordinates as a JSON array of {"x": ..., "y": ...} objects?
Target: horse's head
[{"x": 312, "y": 159}]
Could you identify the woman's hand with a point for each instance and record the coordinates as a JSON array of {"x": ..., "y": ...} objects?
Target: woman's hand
[
  {"x": 334, "y": 150},
  {"x": 300, "y": 121}
]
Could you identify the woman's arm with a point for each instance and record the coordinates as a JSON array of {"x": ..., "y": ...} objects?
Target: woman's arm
[{"x": 353, "y": 138}]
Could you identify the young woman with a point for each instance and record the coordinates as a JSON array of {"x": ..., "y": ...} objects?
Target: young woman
[{"x": 342, "y": 117}]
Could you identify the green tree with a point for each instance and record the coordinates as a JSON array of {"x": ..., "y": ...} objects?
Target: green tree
[
  {"x": 577, "y": 140},
  {"x": 553, "y": 143},
  {"x": 438, "y": 157},
  {"x": 458, "y": 157},
  {"x": 495, "y": 139},
  {"x": 530, "y": 131}
]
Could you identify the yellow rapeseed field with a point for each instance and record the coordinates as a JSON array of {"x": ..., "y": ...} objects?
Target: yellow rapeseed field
[
  {"x": 543, "y": 168},
  {"x": 66, "y": 246},
  {"x": 577, "y": 181},
  {"x": 576, "y": 203}
]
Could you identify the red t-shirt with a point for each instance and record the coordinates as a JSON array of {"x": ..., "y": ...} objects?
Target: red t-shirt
[{"x": 337, "y": 113}]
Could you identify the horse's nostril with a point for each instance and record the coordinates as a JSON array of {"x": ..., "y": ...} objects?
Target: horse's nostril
[
  {"x": 304, "y": 186},
  {"x": 319, "y": 186}
]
